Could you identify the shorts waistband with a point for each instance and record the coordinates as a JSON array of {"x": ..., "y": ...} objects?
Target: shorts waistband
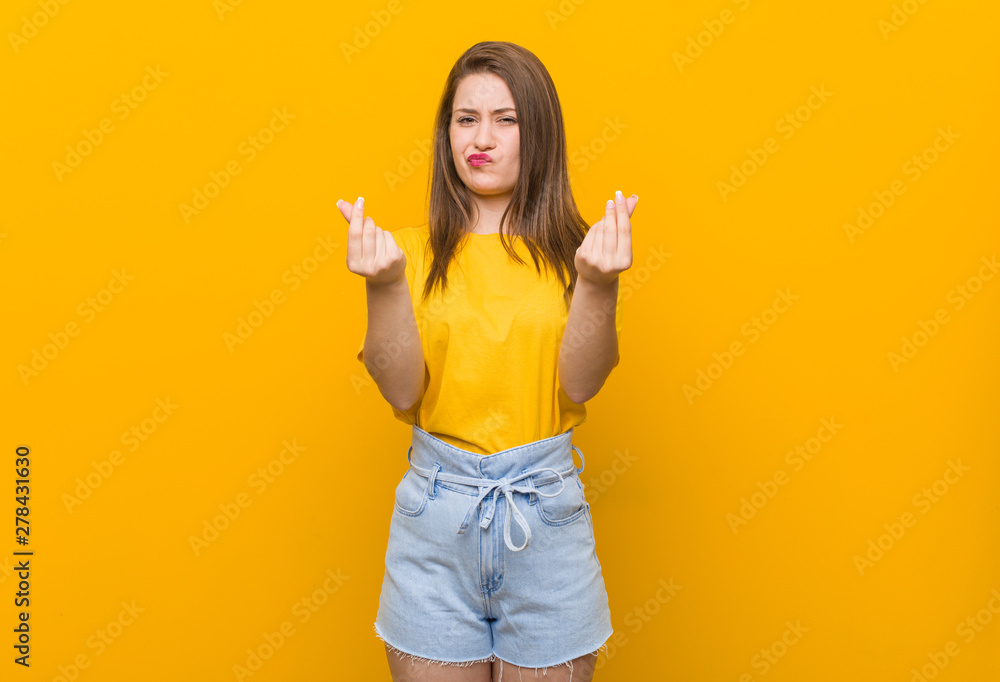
[{"x": 514, "y": 470}]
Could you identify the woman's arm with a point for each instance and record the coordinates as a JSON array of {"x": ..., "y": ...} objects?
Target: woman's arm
[
  {"x": 393, "y": 354},
  {"x": 590, "y": 340}
]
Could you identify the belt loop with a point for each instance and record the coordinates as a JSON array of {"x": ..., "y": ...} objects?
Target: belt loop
[
  {"x": 583, "y": 462},
  {"x": 430, "y": 483},
  {"x": 532, "y": 497}
]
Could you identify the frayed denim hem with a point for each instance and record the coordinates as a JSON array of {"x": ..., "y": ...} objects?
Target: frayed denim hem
[
  {"x": 492, "y": 657},
  {"x": 427, "y": 661}
]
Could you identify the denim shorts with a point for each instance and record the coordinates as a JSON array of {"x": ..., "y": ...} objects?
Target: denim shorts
[{"x": 493, "y": 557}]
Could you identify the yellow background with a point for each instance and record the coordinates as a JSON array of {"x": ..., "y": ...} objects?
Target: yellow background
[{"x": 663, "y": 471}]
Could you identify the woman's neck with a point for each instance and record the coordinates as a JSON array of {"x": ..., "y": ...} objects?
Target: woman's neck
[{"x": 489, "y": 210}]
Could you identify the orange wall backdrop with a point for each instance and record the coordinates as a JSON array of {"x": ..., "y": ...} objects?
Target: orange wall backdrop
[{"x": 793, "y": 472}]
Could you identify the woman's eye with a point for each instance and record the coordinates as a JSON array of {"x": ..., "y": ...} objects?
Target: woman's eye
[{"x": 469, "y": 118}]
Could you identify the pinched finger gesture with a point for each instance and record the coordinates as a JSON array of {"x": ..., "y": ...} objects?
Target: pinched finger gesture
[
  {"x": 606, "y": 250},
  {"x": 371, "y": 251}
]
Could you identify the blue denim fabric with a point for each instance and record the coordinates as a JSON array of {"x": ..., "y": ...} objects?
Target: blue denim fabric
[{"x": 493, "y": 557}]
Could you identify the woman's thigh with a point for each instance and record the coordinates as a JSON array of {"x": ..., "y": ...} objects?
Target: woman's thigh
[
  {"x": 578, "y": 670},
  {"x": 406, "y": 669}
]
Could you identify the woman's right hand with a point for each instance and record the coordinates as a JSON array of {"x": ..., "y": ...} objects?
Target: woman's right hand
[{"x": 371, "y": 251}]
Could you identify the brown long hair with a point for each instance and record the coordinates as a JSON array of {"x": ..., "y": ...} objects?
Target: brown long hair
[{"x": 542, "y": 210}]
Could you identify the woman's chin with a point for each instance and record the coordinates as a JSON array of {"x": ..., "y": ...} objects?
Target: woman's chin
[{"x": 487, "y": 190}]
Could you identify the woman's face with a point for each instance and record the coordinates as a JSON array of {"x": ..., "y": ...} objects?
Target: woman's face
[{"x": 483, "y": 121}]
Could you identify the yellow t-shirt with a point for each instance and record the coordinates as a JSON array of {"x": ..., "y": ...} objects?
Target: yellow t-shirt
[{"x": 491, "y": 346}]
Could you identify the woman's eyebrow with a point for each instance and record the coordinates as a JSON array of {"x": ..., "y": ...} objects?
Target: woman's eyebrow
[{"x": 475, "y": 111}]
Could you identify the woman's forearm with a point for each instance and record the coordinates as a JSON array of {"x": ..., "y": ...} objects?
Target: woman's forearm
[
  {"x": 393, "y": 353},
  {"x": 590, "y": 341}
]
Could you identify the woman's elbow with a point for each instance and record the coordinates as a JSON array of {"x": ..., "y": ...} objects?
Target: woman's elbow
[
  {"x": 582, "y": 394},
  {"x": 403, "y": 403},
  {"x": 402, "y": 395},
  {"x": 582, "y": 389}
]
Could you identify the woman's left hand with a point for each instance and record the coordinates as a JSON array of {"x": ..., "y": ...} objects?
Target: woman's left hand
[{"x": 606, "y": 250}]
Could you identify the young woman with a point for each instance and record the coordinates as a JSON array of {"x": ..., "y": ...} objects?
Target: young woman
[{"x": 491, "y": 564}]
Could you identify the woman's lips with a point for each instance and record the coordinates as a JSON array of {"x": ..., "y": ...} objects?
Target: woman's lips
[{"x": 479, "y": 159}]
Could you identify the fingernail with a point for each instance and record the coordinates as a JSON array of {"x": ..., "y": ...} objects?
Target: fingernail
[
  {"x": 618, "y": 194},
  {"x": 610, "y": 204},
  {"x": 636, "y": 197},
  {"x": 360, "y": 202}
]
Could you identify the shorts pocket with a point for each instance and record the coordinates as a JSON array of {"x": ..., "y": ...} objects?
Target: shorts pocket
[
  {"x": 411, "y": 494},
  {"x": 566, "y": 507}
]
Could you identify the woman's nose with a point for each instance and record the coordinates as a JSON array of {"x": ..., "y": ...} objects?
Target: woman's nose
[{"x": 484, "y": 136}]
